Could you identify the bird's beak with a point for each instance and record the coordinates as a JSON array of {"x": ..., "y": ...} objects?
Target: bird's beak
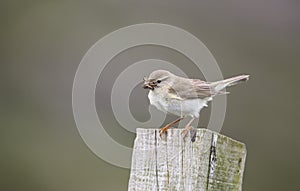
[{"x": 147, "y": 84}]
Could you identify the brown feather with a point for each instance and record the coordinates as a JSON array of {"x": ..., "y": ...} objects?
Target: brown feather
[{"x": 194, "y": 88}]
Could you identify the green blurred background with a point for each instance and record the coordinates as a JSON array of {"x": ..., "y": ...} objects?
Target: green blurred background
[{"x": 42, "y": 43}]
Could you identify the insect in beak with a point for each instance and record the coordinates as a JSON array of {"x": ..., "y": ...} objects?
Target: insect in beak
[{"x": 148, "y": 84}]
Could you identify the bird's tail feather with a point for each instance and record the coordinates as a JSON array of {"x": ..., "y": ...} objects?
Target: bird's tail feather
[{"x": 220, "y": 85}]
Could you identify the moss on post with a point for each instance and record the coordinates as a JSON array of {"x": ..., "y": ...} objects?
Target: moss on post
[{"x": 212, "y": 162}]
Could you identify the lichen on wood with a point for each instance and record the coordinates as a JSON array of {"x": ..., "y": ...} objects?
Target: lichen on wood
[{"x": 212, "y": 162}]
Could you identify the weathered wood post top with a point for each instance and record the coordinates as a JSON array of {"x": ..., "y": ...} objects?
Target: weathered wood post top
[{"x": 213, "y": 162}]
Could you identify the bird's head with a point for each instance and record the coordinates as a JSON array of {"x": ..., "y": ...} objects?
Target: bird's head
[{"x": 156, "y": 79}]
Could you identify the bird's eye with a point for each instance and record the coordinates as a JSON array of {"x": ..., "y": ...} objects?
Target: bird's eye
[{"x": 158, "y": 81}]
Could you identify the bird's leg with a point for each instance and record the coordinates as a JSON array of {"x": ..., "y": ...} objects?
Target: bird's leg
[
  {"x": 165, "y": 128},
  {"x": 187, "y": 128}
]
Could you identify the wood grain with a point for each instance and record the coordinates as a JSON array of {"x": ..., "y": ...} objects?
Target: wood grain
[{"x": 212, "y": 162}]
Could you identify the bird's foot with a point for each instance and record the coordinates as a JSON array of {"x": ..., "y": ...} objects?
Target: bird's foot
[
  {"x": 168, "y": 126},
  {"x": 164, "y": 130},
  {"x": 192, "y": 131},
  {"x": 186, "y": 130}
]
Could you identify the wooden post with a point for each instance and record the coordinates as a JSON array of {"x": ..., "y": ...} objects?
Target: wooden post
[{"x": 212, "y": 162}]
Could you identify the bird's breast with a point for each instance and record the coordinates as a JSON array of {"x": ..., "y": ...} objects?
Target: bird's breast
[
  {"x": 177, "y": 107},
  {"x": 157, "y": 100}
]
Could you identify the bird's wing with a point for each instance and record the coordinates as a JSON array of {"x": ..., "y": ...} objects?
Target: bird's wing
[{"x": 192, "y": 89}]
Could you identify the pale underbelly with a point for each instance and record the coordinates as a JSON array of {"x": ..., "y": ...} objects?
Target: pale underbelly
[{"x": 177, "y": 107}]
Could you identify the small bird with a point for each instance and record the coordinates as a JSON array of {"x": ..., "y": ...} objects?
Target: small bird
[{"x": 183, "y": 96}]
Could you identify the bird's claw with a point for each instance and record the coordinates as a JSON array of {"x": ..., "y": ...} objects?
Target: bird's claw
[
  {"x": 192, "y": 131},
  {"x": 186, "y": 130},
  {"x": 164, "y": 130}
]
